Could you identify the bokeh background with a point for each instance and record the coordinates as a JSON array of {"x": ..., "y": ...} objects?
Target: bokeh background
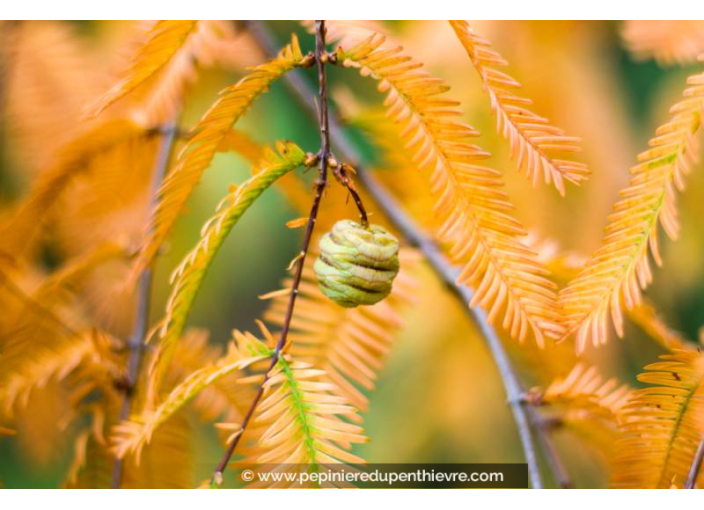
[{"x": 439, "y": 399}]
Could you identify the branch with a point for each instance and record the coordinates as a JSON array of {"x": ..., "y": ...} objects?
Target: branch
[
  {"x": 136, "y": 340},
  {"x": 543, "y": 427},
  {"x": 696, "y": 466},
  {"x": 448, "y": 274},
  {"x": 415, "y": 237},
  {"x": 325, "y": 158}
]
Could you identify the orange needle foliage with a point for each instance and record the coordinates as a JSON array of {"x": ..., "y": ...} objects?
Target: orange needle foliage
[{"x": 89, "y": 220}]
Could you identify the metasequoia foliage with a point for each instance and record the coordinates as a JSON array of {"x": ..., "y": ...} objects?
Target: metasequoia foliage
[
  {"x": 85, "y": 235},
  {"x": 392, "y": 170},
  {"x": 188, "y": 276},
  {"x": 662, "y": 423},
  {"x": 667, "y": 41},
  {"x": 43, "y": 64},
  {"x": 617, "y": 272},
  {"x": 244, "y": 350},
  {"x": 166, "y": 64},
  {"x": 226, "y": 398},
  {"x": 347, "y": 32},
  {"x": 166, "y": 38},
  {"x": 533, "y": 140},
  {"x": 92, "y": 151},
  {"x": 168, "y": 463},
  {"x": 587, "y": 404},
  {"x": 37, "y": 373},
  {"x": 210, "y": 131},
  {"x": 42, "y": 343},
  {"x": 586, "y": 383},
  {"x": 303, "y": 421},
  {"x": 476, "y": 214}
]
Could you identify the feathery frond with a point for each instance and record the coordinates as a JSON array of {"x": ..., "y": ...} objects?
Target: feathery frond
[
  {"x": 164, "y": 94},
  {"x": 167, "y": 462},
  {"x": 663, "y": 423},
  {"x": 303, "y": 421},
  {"x": 74, "y": 159},
  {"x": 49, "y": 78},
  {"x": 587, "y": 384},
  {"x": 224, "y": 399},
  {"x": 158, "y": 80},
  {"x": 188, "y": 276},
  {"x": 667, "y": 41},
  {"x": 38, "y": 323},
  {"x": 476, "y": 217},
  {"x": 533, "y": 140},
  {"x": 130, "y": 437},
  {"x": 209, "y": 133},
  {"x": 165, "y": 40},
  {"x": 409, "y": 188},
  {"x": 621, "y": 268},
  {"x": 42, "y": 425},
  {"x": 34, "y": 373},
  {"x": 74, "y": 271},
  {"x": 109, "y": 200},
  {"x": 587, "y": 404},
  {"x": 50, "y": 360},
  {"x": 91, "y": 466}
]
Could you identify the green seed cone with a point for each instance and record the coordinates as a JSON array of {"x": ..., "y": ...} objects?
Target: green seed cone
[{"x": 356, "y": 265}]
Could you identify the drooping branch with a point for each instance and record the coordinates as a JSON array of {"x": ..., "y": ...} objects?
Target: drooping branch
[
  {"x": 448, "y": 274},
  {"x": 135, "y": 343},
  {"x": 324, "y": 157},
  {"x": 543, "y": 427},
  {"x": 432, "y": 253}
]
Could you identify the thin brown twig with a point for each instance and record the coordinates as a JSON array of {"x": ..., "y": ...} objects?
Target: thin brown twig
[
  {"x": 696, "y": 466},
  {"x": 136, "y": 340},
  {"x": 442, "y": 267},
  {"x": 342, "y": 173},
  {"x": 360, "y": 206},
  {"x": 324, "y": 157}
]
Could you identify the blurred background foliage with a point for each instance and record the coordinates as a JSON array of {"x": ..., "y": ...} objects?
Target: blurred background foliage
[{"x": 439, "y": 399}]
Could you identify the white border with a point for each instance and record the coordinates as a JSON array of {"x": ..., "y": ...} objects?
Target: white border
[
  {"x": 294, "y": 9},
  {"x": 351, "y": 499},
  {"x": 208, "y": 9}
]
